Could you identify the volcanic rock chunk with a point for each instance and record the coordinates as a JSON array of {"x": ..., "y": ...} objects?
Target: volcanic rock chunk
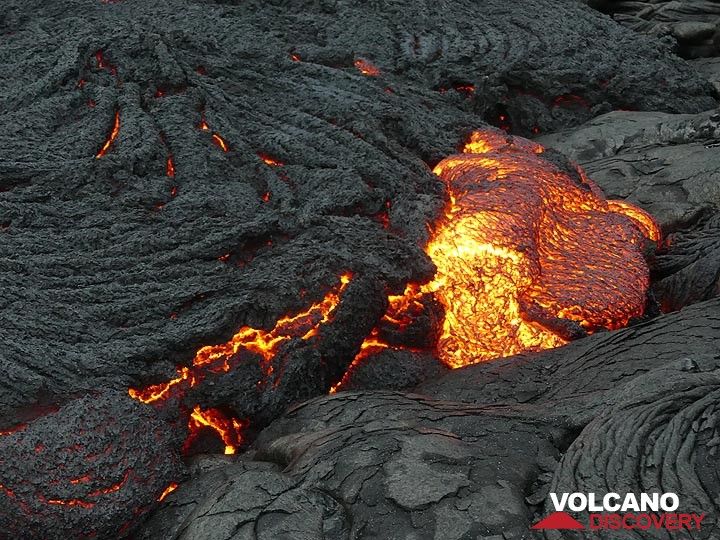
[
  {"x": 393, "y": 369},
  {"x": 247, "y": 500},
  {"x": 659, "y": 435},
  {"x": 89, "y": 470},
  {"x": 688, "y": 271},
  {"x": 710, "y": 69}
]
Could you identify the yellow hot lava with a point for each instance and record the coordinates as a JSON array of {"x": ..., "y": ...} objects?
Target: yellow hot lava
[{"x": 525, "y": 247}]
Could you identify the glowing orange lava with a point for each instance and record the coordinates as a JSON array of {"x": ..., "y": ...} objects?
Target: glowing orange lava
[
  {"x": 228, "y": 429},
  {"x": 528, "y": 253},
  {"x": 220, "y": 142},
  {"x": 303, "y": 325},
  {"x": 168, "y": 490},
  {"x": 269, "y": 160},
  {"x": 111, "y": 138},
  {"x": 170, "y": 167},
  {"x": 366, "y": 67}
]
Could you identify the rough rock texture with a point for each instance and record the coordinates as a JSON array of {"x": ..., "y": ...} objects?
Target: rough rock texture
[
  {"x": 88, "y": 470},
  {"x": 688, "y": 270},
  {"x": 665, "y": 422},
  {"x": 668, "y": 165},
  {"x": 693, "y": 25},
  {"x": 125, "y": 270},
  {"x": 475, "y": 455},
  {"x": 710, "y": 69},
  {"x": 173, "y": 170}
]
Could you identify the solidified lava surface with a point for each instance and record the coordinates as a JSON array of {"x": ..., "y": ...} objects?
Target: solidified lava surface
[
  {"x": 227, "y": 200},
  {"x": 93, "y": 467}
]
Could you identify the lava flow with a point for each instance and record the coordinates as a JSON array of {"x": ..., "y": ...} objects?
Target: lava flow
[
  {"x": 111, "y": 138},
  {"x": 529, "y": 255},
  {"x": 216, "y": 358}
]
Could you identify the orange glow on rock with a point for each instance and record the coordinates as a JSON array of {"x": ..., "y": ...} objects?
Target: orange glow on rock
[
  {"x": 71, "y": 502},
  {"x": 220, "y": 142},
  {"x": 170, "y": 167},
  {"x": 524, "y": 245},
  {"x": 229, "y": 430},
  {"x": 13, "y": 429},
  {"x": 642, "y": 219},
  {"x": 303, "y": 325},
  {"x": 366, "y": 67},
  {"x": 370, "y": 346},
  {"x": 269, "y": 160},
  {"x": 111, "y": 138},
  {"x": 168, "y": 490}
]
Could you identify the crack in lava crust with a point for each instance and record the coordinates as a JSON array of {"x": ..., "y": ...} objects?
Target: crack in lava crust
[
  {"x": 529, "y": 255},
  {"x": 217, "y": 359}
]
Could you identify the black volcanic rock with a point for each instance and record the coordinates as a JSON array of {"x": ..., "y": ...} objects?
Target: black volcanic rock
[
  {"x": 89, "y": 470},
  {"x": 476, "y": 453},
  {"x": 172, "y": 171},
  {"x": 110, "y": 267}
]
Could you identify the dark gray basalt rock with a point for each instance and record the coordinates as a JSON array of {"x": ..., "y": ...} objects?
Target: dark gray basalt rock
[
  {"x": 660, "y": 435},
  {"x": 88, "y": 470},
  {"x": 694, "y": 25},
  {"x": 250, "y": 500},
  {"x": 111, "y": 268},
  {"x": 688, "y": 270},
  {"x": 475, "y": 455}
]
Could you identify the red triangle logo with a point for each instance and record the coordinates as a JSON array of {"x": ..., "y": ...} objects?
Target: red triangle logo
[{"x": 558, "y": 520}]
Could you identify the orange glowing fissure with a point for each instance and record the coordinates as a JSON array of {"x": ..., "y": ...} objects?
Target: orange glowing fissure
[
  {"x": 229, "y": 429},
  {"x": 366, "y": 67},
  {"x": 111, "y": 138},
  {"x": 216, "y": 358},
  {"x": 168, "y": 490}
]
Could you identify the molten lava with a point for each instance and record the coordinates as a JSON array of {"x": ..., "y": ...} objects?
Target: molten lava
[
  {"x": 111, "y": 138},
  {"x": 228, "y": 429},
  {"x": 170, "y": 167},
  {"x": 367, "y": 68},
  {"x": 528, "y": 254},
  {"x": 220, "y": 142},
  {"x": 216, "y": 358},
  {"x": 168, "y": 490},
  {"x": 270, "y": 160}
]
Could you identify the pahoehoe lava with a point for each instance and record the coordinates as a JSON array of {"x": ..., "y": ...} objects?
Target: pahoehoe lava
[{"x": 211, "y": 211}]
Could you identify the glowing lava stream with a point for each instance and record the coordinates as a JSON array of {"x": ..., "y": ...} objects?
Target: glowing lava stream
[
  {"x": 216, "y": 358},
  {"x": 528, "y": 253},
  {"x": 111, "y": 138}
]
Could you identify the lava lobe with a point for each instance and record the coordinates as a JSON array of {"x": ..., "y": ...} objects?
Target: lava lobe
[{"x": 529, "y": 253}]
